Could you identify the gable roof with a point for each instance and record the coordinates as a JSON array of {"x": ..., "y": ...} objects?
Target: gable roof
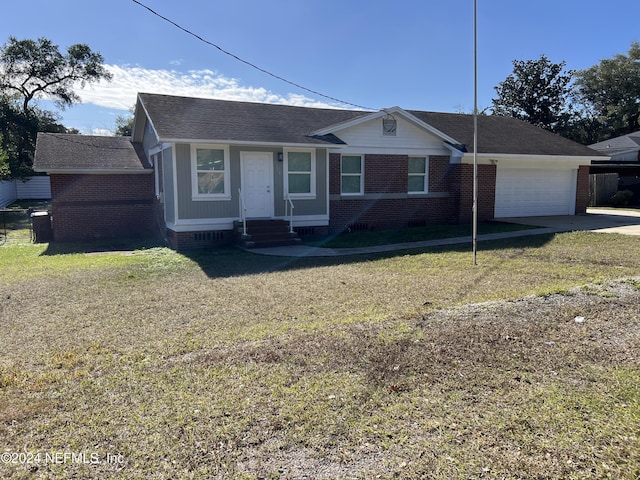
[
  {"x": 67, "y": 153},
  {"x": 176, "y": 118},
  {"x": 186, "y": 118}
]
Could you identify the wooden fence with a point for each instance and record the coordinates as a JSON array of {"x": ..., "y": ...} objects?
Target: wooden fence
[{"x": 602, "y": 187}]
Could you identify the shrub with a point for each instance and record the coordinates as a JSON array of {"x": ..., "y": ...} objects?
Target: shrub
[{"x": 621, "y": 198}]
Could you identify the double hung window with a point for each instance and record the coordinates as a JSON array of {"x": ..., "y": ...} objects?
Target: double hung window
[
  {"x": 418, "y": 180},
  {"x": 300, "y": 173},
  {"x": 351, "y": 174},
  {"x": 210, "y": 172}
]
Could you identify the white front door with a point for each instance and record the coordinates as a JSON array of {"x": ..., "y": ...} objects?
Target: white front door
[{"x": 257, "y": 183}]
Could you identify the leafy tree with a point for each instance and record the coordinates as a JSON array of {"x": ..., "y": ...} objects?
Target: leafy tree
[
  {"x": 612, "y": 89},
  {"x": 124, "y": 124},
  {"x": 5, "y": 169},
  {"x": 536, "y": 92},
  {"x": 36, "y": 68},
  {"x": 32, "y": 70}
]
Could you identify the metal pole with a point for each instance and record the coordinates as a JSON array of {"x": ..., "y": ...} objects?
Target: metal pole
[{"x": 475, "y": 132}]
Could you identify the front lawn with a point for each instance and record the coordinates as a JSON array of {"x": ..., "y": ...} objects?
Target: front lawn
[
  {"x": 231, "y": 365},
  {"x": 355, "y": 239}
]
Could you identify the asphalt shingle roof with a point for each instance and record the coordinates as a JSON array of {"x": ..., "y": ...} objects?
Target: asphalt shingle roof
[
  {"x": 630, "y": 141},
  {"x": 189, "y": 118},
  {"x": 503, "y": 135},
  {"x": 57, "y": 151}
]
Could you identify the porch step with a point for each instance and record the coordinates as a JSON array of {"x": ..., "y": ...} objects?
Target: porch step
[{"x": 265, "y": 233}]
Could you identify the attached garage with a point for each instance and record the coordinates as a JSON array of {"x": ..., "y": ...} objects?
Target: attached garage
[{"x": 531, "y": 192}]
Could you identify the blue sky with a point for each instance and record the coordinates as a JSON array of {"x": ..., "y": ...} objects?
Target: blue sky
[{"x": 417, "y": 54}]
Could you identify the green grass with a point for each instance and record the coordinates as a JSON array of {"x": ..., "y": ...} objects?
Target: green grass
[
  {"x": 226, "y": 364},
  {"x": 414, "y": 234}
]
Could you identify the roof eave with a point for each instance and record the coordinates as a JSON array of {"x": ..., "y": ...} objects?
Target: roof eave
[
  {"x": 93, "y": 171},
  {"x": 246, "y": 142},
  {"x": 521, "y": 156}
]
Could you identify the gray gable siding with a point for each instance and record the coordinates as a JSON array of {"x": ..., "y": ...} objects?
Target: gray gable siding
[
  {"x": 167, "y": 177},
  {"x": 149, "y": 139},
  {"x": 306, "y": 206},
  {"x": 189, "y": 209}
]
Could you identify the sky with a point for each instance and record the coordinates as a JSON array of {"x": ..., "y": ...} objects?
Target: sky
[{"x": 416, "y": 54}]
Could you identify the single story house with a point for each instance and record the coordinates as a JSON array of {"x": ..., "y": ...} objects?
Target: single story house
[
  {"x": 622, "y": 163},
  {"x": 195, "y": 166},
  {"x": 624, "y": 150}
]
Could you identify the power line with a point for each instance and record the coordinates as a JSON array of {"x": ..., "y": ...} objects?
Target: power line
[{"x": 246, "y": 62}]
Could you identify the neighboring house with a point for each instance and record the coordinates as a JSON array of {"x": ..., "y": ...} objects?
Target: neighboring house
[
  {"x": 30, "y": 188},
  {"x": 191, "y": 163},
  {"x": 621, "y": 150},
  {"x": 623, "y": 161}
]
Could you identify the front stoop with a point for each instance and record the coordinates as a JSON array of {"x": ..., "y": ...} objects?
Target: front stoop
[{"x": 264, "y": 233}]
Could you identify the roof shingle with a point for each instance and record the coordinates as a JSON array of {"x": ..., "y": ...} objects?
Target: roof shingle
[
  {"x": 57, "y": 151},
  {"x": 186, "y": 118}
]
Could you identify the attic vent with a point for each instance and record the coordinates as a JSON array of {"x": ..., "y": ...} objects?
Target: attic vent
[{"x": 389, "y": 125}]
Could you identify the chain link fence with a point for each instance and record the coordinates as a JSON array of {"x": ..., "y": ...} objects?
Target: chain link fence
[{"x": 17, "y": 222}]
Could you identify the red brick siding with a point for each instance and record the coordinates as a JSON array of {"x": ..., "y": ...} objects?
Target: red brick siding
[
  {"x": 194, "y": 240},
  {"x": 461, "y": 190},
  {"x": 438, "y": 171},
  {"x": 388, "y": 213},
  {"x": 334, "y": 174},
  {"x": 388, "y": 175},
  {"x": 86, "y": 207},
  {"x": 582, "y": 189}
]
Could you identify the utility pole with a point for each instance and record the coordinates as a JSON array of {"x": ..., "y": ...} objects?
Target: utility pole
[{"x": 475, "y": 132}]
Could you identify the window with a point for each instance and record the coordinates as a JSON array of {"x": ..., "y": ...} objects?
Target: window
[
  {"x": 418, "y": 178},
  {"x": 210, "y": 172},
  {"x": 300, "y": 173},
  {"x": 351, "y": 168}
]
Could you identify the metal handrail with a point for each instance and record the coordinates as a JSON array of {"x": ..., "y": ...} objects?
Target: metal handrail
[
  {"x": 243, "y": 212},
  {"x": 289, "y": 211}
]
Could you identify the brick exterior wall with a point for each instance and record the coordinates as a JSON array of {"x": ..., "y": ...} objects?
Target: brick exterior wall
[
  {"x": 582, "y": 189},
  {"x": 438, "y": 174},
  {"x": 387, "y": 175},
  {"x": 387, "y": 213},
  {"x": 193, "y": 240},
  {"x": 88, "y": 207},
  {"x": 461, "y": 189}
]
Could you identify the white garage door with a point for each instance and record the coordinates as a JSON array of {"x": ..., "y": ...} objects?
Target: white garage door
[{"x": 533, "y": 192}]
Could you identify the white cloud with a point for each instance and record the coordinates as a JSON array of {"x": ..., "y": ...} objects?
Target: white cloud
[
  {"x": 120, "y": 93},
  {"x": 104, "y": 132}
]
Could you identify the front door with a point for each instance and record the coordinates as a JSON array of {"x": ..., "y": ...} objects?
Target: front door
[{"x": 257, "y": 183}]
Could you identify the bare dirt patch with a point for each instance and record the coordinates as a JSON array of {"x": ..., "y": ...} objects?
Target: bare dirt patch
[{"x": 505, "y": 389}]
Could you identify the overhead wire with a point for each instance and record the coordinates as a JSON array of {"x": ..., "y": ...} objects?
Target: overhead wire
[{"x": 250, "y": 64}]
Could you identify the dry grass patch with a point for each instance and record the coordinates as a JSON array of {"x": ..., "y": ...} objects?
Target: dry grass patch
[{"x": 231, "y": 365}]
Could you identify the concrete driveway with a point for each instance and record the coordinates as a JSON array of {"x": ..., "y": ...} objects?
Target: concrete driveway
[{"x": 604, "y": 220}]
